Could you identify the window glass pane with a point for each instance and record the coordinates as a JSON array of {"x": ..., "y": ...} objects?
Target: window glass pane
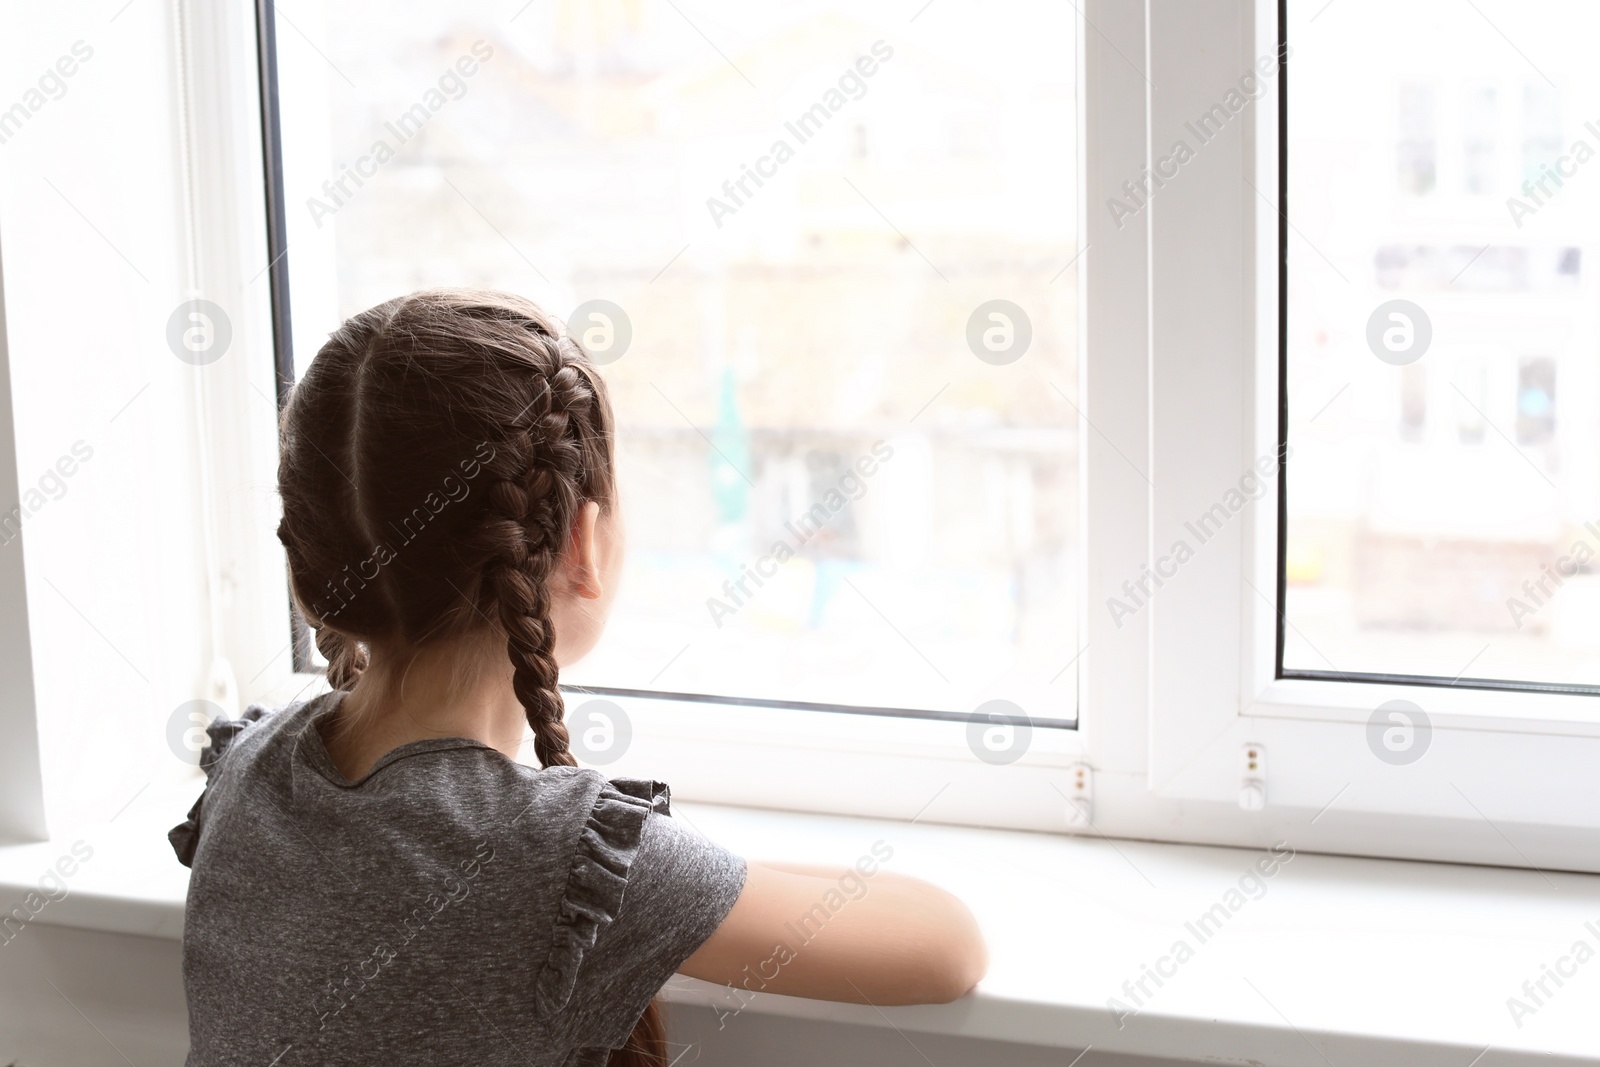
[
  {"x": 1444, "y": 403},
  {"x": 1480, "y": 137},
  {"x": 829, "y": 253}
]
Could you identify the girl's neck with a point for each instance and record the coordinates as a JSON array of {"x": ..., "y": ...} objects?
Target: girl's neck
[{"x": 448, "y": 689}]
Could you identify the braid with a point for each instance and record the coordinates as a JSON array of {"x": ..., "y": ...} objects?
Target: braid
[
  {"x": 517, "y": 583},
  {"x": 530, "y": 509},
  {"x": 346, "y": 658}
]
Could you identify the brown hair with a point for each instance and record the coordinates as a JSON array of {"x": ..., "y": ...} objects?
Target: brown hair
[{"x": 433, "y": 460}]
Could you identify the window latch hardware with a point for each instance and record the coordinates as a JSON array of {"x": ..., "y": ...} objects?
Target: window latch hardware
[
  {"x": 1253, "y": 777},
  {"x": 1080, "y": 796}
]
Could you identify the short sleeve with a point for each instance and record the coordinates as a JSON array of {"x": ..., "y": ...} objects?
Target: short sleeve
[
  {"x": 223, "y": 732},
  {"x": 672, "y": 889}
]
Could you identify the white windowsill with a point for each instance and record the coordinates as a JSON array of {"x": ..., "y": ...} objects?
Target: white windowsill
[{"x": 1340, "y": 961}]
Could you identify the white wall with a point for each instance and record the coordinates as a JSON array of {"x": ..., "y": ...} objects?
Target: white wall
[{"x": 59, "y": 984}]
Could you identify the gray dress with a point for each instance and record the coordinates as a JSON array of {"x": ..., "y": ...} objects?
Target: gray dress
[{"x": 450, "y": 906}]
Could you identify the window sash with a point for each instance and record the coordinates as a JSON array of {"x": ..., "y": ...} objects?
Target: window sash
[{"x": 1502, "y": 780}]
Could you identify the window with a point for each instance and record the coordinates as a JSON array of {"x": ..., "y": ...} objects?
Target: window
[
  {"x": 1454, "y": 556},
  {"x": 1416, "y": 152},
  {"x": 1536, "y": 400},
  {"x": 828, "y": 256},
  {"x": 1305, "y": 405},
  {"x": 1543, "y": 136},
  {"x": 1413, "y": 403},
  {"x": 1327, "y": 294},
  {"x": 1480, "y": 119}
]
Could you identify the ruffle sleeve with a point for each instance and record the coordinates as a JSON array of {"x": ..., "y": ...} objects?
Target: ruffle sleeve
[
  {"x": 605, "y": 854},
  {"x": 223, "y": 732}
]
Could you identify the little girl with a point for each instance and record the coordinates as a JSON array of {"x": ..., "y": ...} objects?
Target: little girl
[{"x": 376, "y": 878}]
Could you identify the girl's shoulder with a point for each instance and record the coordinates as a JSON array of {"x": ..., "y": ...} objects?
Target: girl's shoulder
[
  {"x": 229, "y": 744},
  {"x": 227, "y": 734}
]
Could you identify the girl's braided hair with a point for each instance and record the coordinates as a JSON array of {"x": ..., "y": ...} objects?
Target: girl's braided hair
[{"x": 433, "y": 460}]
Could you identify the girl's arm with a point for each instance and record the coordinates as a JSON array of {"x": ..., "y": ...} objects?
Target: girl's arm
[{"x": 836, "y": 935}]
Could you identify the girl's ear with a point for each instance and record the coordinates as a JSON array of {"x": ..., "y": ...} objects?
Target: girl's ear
[{"x": 583, "y": 553}]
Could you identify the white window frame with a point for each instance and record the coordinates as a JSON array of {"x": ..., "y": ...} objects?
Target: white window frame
[
  {"x": 1506, "y": 777},
  {"x": 223, "y": 128},
  {"x": 1179, "y": 365}
]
